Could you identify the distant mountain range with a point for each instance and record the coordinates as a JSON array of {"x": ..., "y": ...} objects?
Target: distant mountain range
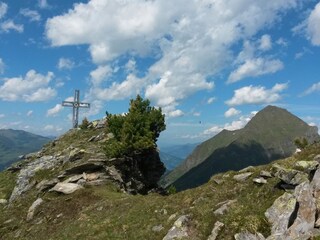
[
  {"x": 14, "y": 143},
  {"x": 268, "y": 136}
]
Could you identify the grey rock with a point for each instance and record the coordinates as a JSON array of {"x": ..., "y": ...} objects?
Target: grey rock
[
  {"x": 85, "y": 167},
  {"x": 242, "y": 177},
  {"x": 218, "y": 181},
  {"x": 76, "y": 154},
  {"x": 3, "y": 201},
  {"x": 304, "y": 222},
  {"x": 260, "y": 180},
  {"x": 216, "y": 230},
  {"x": 265, "y": 174},
  {"x": 46, "y": 184},
  {"x": 66, "y": 188},
  {"x": 158, "y": 228},
  {"x": 101, "y": 123},
  {"x": 114, "y": 173},
  {"x": 247, "y": 169},
  {"x": 28, "y": 171},
  {"x": 307, "y": 166},
  {"x": 280, "y": 212},
  {"x": 179, "y": 228},
  {"x": 74, "y": 178},
  {"x": 33, "y": 209},
  {"x": 248, "y": 236},
  {"x": 317, "y": 158},
  {"x": 224, "y": 207},
  {"x": 290, "y": 176}
]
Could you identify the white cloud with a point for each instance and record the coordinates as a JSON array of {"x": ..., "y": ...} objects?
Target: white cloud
[
  {"x": 29, "y": 113},
  {"x": 33, "y": 15},
  {"x": 99, "y": 75},
  {"x": 231, "y": 112},
  {"x": 313, "y": 26},
  {"x": 65, "y": 63},
  {"x": 10, "y": 25},
  {"x": 2, "y": 115},
  {"x": 131, "y": 65},
  {"x": 282, "y": 42},
  {"x": 234, "y": 125},
  {"x": 54, "y": 111},
  {"x": 31, "y": 88},
  {"x": 193, "y": 41},
  {"x": 43, "y": 4},
  {"x": 314, "y": 88},
  {"x": 2, "y": 66},
  {"x": 265, "y": 43},
  {"x": 3, "y": 9},
  {"x": 174, "y": 114},
  {"x": 211, "y": 100},
  {"x": 257, "y": 95},
  {"x": 254, "y": 68}
]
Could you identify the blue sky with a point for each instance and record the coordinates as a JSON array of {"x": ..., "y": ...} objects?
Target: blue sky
[{"x": 209, "y": 64}]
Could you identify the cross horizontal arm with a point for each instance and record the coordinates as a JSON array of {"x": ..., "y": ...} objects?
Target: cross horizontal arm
[
  {"x": 84, "y": 105},
  {"x": 67, "y": 104}
]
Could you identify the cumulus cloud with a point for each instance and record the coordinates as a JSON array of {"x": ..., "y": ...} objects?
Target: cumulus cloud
[
  {"x": 29, "y": 113},
  {"x": 33, "y": 15},
  {"x": 3, "y": 9},
  {"x": 254, "y": 68},
  {"x": 231, "y": 112},
  {"x": 43, "y": 4},
  {"x": 54, "y": 111},
  {"x": 174, "y": 114},
  {"x": 313, "y": 25},
  {"x": 257, "y": 95},
  {"x": 265, "y": 43},
  {"x": 9, "y": 25},
  {"x": 314, "y": 88},
  {"x": 211, "y": 100},
  {"x": 99, "y": 75},
  {"x": 2, "y": 115},
  {"x": 65, "y": 63},
  {"x": 193, "y": 42},
  {"x": 234, "y": 125},
  {"x": 31, "y": 88}
]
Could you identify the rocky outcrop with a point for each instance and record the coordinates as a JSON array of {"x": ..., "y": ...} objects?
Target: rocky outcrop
[
  {"x": 66, "y": 188},
  {"x": 179, "y": 229},
  {"x": 33, "y": 209},
  {"x": 216, "y": 230}
]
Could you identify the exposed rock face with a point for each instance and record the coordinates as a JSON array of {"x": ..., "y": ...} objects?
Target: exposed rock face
[
  {"x": 66, "y": 188},
  {"x": 215, "y": 231},
  {"x": 179, "y": 229},
  {"x": 280, "y": 212},
  {"x": 290, "y": 176},
  {"x": 242, "y": 177},
  {"x": 248, "y": 236}
]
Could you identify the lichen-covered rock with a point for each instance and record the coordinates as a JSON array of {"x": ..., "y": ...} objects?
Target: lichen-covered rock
[
  {"x": 265, "y": 174},
  {"x": 224, "y": 207},
  {"x": 46, "y": 184},
  {"x": 307, "y": 166},
  {"x": 3, "y": 201},
  {"x": 290, "y": 176},
  {"x": 179, "y": 229},
  {"x": 305, "y": 220},
  {"x": 280, "y": 212},
  {"x": 76, "y": 154},
  {"x": 260, "y": 180}
]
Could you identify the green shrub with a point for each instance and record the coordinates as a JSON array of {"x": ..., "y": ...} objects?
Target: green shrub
[
  {"x": 171, "y": 190},
  {"x": 301, "y": 143},
  {"x": 137, "y": 130},
  {"x": 85, "y": 123}
]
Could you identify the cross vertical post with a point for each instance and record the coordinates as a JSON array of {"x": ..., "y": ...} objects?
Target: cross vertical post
[{"x": 76, "y": 104}]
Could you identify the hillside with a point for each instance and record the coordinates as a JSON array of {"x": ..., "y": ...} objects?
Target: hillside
[
  {"x": 268, "y": 136},
  {"x": 14, "y": 143},
  {"x": 230, "y": 206}
]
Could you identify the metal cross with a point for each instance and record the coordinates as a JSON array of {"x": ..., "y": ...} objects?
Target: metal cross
[{"x": 76, "y": 104}]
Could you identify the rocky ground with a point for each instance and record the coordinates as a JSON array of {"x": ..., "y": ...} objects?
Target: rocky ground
[{"x": 70, "y": 190}]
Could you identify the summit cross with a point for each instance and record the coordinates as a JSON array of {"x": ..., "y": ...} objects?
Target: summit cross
[{"x": 76, "y": 104}]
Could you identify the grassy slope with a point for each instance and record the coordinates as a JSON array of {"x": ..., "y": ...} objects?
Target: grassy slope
[{"x": 105, "y": 213}]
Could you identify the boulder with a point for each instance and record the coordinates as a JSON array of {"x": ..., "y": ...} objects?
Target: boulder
[
  {"x": 280, "y": 212},
  {"x": 158, "y": 228},
  {"x": 247, "y": 169},
  {"x": 73, "y": 179},
  {"x": 216, "y": 230},
  {"x": 265, "y": 174},
  {"x": 260, "y": 180},
  {"x": 33, "y": 209},
  {"x": 248, "y": 236},
  {"x": 76, "y": 154},
  {"x": 290, "y": 176},
  {"x": 179, "y": 229},
  {"x": 307, "y": 166},
  {"x": 66, "y": 188},
  {"x": 305, "y": 220},
  {"x": 242, "y": 177}
]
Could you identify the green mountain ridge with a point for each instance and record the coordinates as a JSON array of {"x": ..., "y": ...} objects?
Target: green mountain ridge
[
  {"x": 269, "y": 135},
  {"x": 14, "y": 143}
]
